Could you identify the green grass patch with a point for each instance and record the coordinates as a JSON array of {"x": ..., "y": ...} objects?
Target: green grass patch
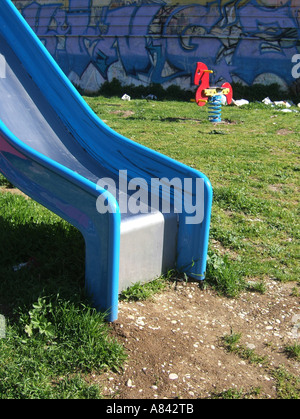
[
  {"x": 225, "y": 275},
  {"x": 5, "y": 183},
  {"x": 53, "y": 249},
  {"x": 140, "y": 292},
  {"x": 234, "y": 394},
  {"x": 287, "y": 384},
  {"x": 293, "y": 351},
  {"x": 53, "y": 338},
  {"x": 49, "y": 350},
  {"x": 232, "y": 344}
]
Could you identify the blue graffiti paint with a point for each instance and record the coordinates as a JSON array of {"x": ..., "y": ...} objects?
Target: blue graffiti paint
[{"x": 161, "y": 42}]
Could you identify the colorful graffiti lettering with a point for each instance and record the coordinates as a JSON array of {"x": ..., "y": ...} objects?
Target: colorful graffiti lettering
[{"x": 155, "y": 41}]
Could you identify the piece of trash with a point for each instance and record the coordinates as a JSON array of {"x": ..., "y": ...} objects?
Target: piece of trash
[
  {"x": 150, "y": 97},
  {"x": 223, "y": 100},
  {"x": 129, "y": 383},
  {"x": 286, "y": 110},
  {"x": 126, "y": 97},
  {"x": 267, "y": 101},
  {"x": 20, "y": 266},
  {"x": 240, "y": 102},
  {"x": 24, "y": 265},
  {"x": 283, "y": 103}
]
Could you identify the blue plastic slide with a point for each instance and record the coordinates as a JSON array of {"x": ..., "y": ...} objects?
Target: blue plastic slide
[{"x": 140, "y": 212}]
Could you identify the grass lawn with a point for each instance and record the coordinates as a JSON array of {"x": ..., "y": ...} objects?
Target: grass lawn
[
  {"x": 252, "y": 161},
  {"x": 53, "y": 338}
]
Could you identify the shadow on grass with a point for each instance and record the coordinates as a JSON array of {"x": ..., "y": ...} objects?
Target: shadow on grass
[
  {"x": 166, "y": 119},
  {"x": 54, "y": 259}
]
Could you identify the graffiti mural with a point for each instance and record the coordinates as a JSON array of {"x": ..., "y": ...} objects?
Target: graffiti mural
[{"x": 156, "y": 41}]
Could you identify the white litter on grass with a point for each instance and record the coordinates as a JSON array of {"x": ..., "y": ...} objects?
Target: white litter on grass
[
  {"x": 280, "y": 103},
  {"x": 286, "y": 110},
  {"x": 223, "y": 100},
  {"x": 267, "y": 101},
  {"x": 20, "y": 266},
  {"x": 126, "y": 97},
  {"x": 150, "y": 97},
  {"x": 240, "y": 102}
]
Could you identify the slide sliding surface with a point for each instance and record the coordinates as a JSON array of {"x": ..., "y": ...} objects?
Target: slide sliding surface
[{"x": 55, "y": 149}]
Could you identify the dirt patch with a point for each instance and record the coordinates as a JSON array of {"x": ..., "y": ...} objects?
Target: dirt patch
[
  {"x": 276, "y": 188},
  {"x": 14, "y": 191},
  {"x": 285, "y": 131},
  {"x": 175, "y": 347},
  {"x": 123, "y": 114}
]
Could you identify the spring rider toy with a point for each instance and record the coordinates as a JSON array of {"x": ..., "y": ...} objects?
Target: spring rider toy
[{"x": 211, "y": 95}]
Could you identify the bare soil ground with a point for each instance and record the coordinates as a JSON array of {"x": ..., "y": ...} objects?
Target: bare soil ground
[{"x": 175, "y": 346}]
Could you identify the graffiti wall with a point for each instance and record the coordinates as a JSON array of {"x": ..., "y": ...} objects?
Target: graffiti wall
[{"x": 156, "y": 41}]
